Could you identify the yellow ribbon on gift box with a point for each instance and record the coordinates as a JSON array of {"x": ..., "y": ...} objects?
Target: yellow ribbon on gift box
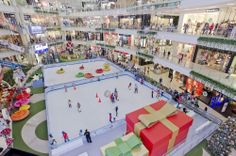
[{"x": 154, "y": 116}]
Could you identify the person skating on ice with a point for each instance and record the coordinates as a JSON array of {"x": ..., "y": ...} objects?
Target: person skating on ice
[
  {"x": 52, "y": 141},
  {"x": 158, "y": 93},
  {"x": 135, "y": 88},
  {"x": 129, "y": 86},
  {"x": 116, "y": 94},
  {"x": 110, "y": 117},
  {"x": 65, "y": 136},
  {"x": 69, "y": 103},
  {"x": 80, "y": 132},
  {"x": 87, "y": 135},
  {"x": 79, "y": 106},
  {"x": 116, "y": 109},
  {"x": 152, "y": 93},
  {"x": 112, "y": 98}
]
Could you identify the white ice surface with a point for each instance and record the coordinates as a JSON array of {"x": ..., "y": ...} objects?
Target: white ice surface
[
  {"x": 52, "y": 78},
  {"x": 94, "y": 115}
]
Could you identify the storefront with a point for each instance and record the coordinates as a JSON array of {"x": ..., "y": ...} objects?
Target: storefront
[
  {"x": 111, "y": 4},
  {"x": 216, "y": 21},
  {"x": 125, "y": 40},
  {"x": 165, "y": 22},
  {"x": 48, "y": 36},
  {"x": 213, "y": 58},
  {"x": 126, "y": 22},
  {"x": 45, "y": 21},
  {"x": 72, "y": 22},
  {"x": 110, "y": 38},
  {"x": 185, "y": 51},
  {"x": 8, "y": 21},
  {"x": 110, "y": 22},
  {"x": 232, "y": 69},
  {"x": 121, "y": 56},
  {"x": 134, "y": 21},
  {"x": 194, "y": 23},
  {"x": 93, "y": 22}
]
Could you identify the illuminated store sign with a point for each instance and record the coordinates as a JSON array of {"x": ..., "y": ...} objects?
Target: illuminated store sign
[
  {"x": 41, "y": 48},
  {"x": 36, "y": 30}
]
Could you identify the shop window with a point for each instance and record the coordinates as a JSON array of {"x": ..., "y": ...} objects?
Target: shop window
[{"x": 213, "y": 59}]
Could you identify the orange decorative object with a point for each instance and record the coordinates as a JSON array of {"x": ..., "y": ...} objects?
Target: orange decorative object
[
  {"x": 20, "y": 115},
  {"x": 88, "y": 75},
  {"x": 99, "y": 71}
]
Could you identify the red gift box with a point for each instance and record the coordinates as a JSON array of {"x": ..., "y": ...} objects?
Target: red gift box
[{"x": 157, "y": 137}]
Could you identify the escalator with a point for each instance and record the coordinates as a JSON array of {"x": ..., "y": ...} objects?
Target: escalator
[{"x": 12, "y": 46}]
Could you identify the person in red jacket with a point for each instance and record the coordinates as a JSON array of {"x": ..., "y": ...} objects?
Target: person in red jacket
[{"x": 65, "y": 136}]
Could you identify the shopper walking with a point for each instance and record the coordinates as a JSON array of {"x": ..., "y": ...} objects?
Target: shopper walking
[
  {"x": 160, "y": 81},
  {"x": 168, "y": 55},
  {"x": 87, "y": 135}
]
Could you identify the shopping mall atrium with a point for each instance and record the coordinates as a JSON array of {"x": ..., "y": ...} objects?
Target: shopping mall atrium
[{"x": 118, "y": 77}]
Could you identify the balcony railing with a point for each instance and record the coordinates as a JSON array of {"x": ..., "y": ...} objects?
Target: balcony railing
[{"x": 128, "y": 8}]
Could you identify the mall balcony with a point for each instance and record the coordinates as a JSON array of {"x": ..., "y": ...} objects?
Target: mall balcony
[
  {"x": 122, "y": 7},
  {"x": 187, "y": 67}
]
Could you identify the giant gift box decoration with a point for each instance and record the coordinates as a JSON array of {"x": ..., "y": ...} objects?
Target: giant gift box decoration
[
  {"x": 128, "y": 145},
  {"x": 160, "y": 126}
]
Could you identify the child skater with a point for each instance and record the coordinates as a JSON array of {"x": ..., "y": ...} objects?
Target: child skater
[{"x": 69, "y": 103}]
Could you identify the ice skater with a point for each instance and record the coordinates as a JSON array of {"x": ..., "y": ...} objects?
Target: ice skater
[
  {"x": 112, "y": 98},
  {"x": 110, "y": 117},
  {"x": 129, "y": 86},
  {"x": 158, "y": 94},
  {"x": 52, "y": 141},
  {"x": 136, "y": 88},
  {"x": 79, "y": 106},
  {"x": 152, "y": 93},
  {"x": 116, "y": 109},
  {"x": 65, "y": 136},
  {"x": 116, "y": 94},
  {"x": 69, "y": 103},
  {"x": 80, "y": 132},
  {"x": 87, "y": 135}
]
